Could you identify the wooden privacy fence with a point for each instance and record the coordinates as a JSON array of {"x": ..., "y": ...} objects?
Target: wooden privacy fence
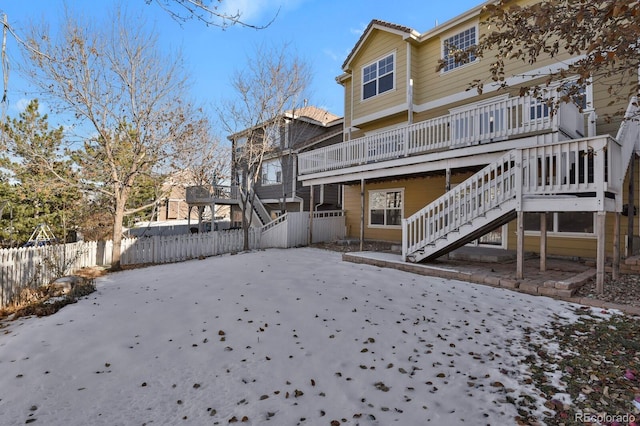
[
  {"x": 36, "y": 266},
  {"x": 178, "y": 248},
  {"x": 292, "y": 229},
  {"x": 32, "y": 267}
]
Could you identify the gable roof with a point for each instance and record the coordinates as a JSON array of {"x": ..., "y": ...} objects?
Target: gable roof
[
  {"x": 407, "y": 32},
  {"x": 335, "y": 128},
  {"x": 377, "y": 24},
  {"x": 313, "y": 113}
]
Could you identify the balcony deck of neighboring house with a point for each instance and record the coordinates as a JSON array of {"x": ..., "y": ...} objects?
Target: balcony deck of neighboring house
[
  {"x": 201, "y": 196},
  {"x": 218, "y": 194}
]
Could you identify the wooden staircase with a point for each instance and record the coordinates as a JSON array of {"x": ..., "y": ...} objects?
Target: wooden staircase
[
  {"x": 478, "y": 205},
  {"x": 258, "y": 210},
  {"x": 467, "y": 233},
  {"x": 575, "y": 175}
]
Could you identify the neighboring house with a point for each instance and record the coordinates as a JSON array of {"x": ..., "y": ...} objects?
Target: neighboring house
[
  {"x": 173, "y": 215},
  {"x": 277, "y": 188},
  {"x": 433, "y": 166},
  {"x": 172, "y": 204}
]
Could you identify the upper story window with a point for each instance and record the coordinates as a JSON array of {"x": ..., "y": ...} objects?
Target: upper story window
[
  {"x": 378, "y": 77},
  {"x": 240, "y": 143},
  {"x": 458, "y": 42},
  {"x": 272, "y": 136},
  {"x": 579, "y": 94},
  {"x": 271, "y": 172}
]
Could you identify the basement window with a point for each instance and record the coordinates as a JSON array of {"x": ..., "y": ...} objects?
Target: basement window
[
  {"x": 577, "y": 223},
  {"x": 385, "y": 208}
]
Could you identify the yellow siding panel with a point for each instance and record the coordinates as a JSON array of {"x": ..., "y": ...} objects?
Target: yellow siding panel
[
  {"x": 379, "y": 45},
  {"x": 432, "y": 86},
  {"x": 583, "y": 247},
  {"x": 418, "y": 192}
]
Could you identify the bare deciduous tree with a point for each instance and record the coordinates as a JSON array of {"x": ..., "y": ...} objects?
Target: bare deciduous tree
[
  {"x": 204, "y": 158},
  {"x": 203, "y": 155},
  {"x": 208, "y": 12},
  {"x": 272, "y": 82},
  {"x": 130, "y": 101}
]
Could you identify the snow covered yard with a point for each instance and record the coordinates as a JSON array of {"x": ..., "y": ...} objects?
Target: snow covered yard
[{"x": 279, "y": 337}]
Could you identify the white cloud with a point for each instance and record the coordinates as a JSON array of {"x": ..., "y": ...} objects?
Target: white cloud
[
  {"x": 358, "y": 31},
  {"x": 252, "y": 11},
  {"x": 22, "y": 104},
  {"x": 331, "y": 54}
]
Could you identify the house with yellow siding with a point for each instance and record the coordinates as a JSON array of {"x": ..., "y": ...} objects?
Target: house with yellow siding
[{"x": 432, "y": 166}]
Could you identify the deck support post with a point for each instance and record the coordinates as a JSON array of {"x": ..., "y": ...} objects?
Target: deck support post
[
  {"x": 447, "y": 180},
  {"x": 600, "y": 234},
  {"x": 311, "y": 204},
  {"x": 520, "y": 246},
  {"x": 213, "y": 216},
  {"x": 361, "y": 214},
  {"x": 200, "y": 214},
  {"x": 615, "y": 272},
  {"x": 631, "y": 205},
  {"x": 447, "y": 188},
  {"x": 543, "y": 242}
]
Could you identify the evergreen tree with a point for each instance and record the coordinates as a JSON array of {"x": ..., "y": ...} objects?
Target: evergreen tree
[{"x": 34, "y": 161}]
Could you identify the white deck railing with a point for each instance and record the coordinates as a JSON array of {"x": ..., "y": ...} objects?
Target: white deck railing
[
  {"x": 226, "y": 192},
  {"x": 569, "y": 167},
  {"x": 473, "y": 197},
  {"x": 491, "y": 120},
  {"x": 629, "y": 136},
  {"x": 206, "y": 194}
]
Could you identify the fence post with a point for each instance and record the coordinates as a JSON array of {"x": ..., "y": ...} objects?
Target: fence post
[{"x": 404, "y": 239}]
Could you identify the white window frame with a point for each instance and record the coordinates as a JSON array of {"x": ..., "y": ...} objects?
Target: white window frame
[
  {"x": 272, "y": 135},
  {"x": 552, "y": 228},
  {"x": 587, "y": 95},
  {"x": 378, "y": 76},
  {"x": 271, "y": 172},
  {"x": 443, "y": 43},
  {"x": 386, "y": 191},
  {"x": 240, "y": 143}
]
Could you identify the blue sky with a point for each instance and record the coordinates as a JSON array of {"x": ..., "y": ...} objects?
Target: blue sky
[{"x": 322, "y": 32}]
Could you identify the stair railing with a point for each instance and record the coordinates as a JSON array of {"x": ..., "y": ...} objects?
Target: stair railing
[
  {"x": 278, "y": 220},
  {"x": 257, "y": 207},
  {"x": 472, "y": 198},
  {"x": 628, "y": 137}
]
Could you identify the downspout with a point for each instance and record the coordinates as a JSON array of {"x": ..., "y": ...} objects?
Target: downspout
[
  {"x": 409, "y": 87},
  {"x": 294, "y": 181},
  {"x": 321, "y": 198},
  {"x": 351, "y": 108}
]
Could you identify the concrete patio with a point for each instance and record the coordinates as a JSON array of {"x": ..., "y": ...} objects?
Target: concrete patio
[{"x": 491, "y": 266}]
